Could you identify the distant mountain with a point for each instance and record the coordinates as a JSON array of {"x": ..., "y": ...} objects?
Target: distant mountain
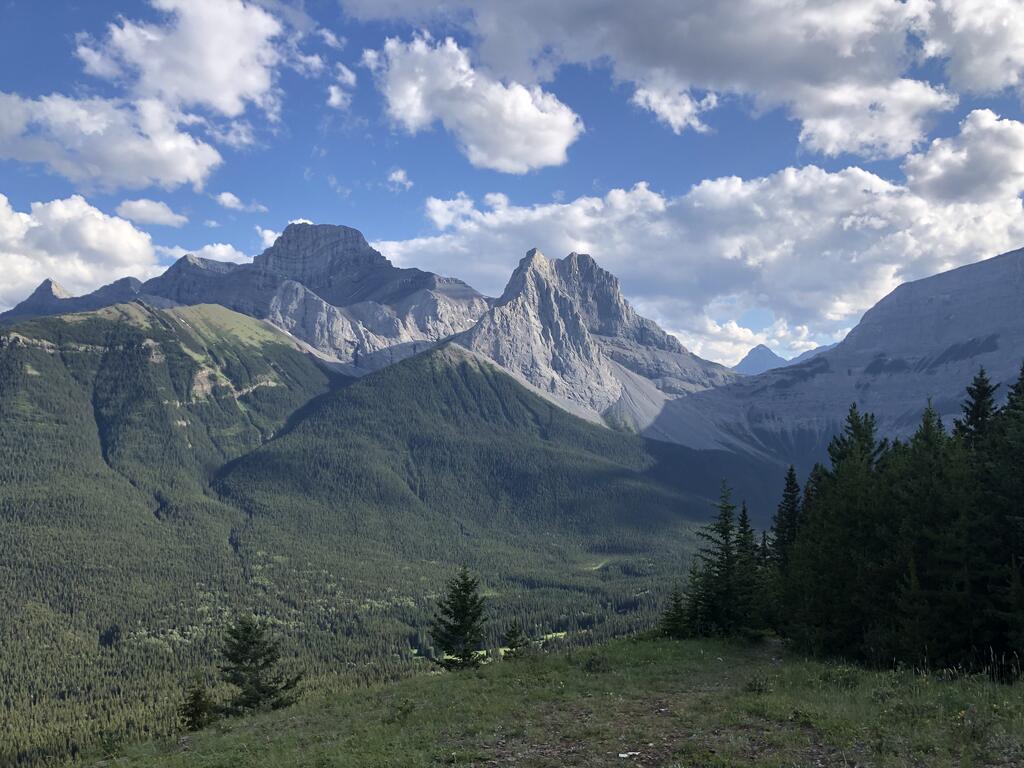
[
  {"x": 924, "y": 341},
  {"x": 52, "y": 299},
  {"x": 323, "y": 284},
  {"x": 758, "y": 360}
]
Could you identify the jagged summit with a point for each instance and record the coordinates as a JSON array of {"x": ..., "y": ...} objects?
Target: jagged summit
[
  {"x": 537, "y": 332},
  {"x": 565, "y": 327},
  {"x": 605, "y": 309}
]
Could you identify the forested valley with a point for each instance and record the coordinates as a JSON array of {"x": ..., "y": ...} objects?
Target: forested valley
[{"x": 163, "y": 472}]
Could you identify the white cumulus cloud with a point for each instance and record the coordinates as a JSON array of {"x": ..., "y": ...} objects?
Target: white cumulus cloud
[
  {"x": 267, "y": 236},
  {"x": 980, "y": 41},
  {"x": 145, "y": 211},
  {"x": 984, "y": 162},
  {"x": 843, "y": 68},
  {"x": 505, "y": 126},
  {"x": 398, "y": 180},
  {"x": 232, "y": 202},
  {"x": 107, "y": 143},
  {"x": 71, "y": 242},
  {"x": 216, "y": 54},
  {"x": 338, "y": 92}
]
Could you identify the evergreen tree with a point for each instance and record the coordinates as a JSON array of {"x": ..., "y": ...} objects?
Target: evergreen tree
[
  {"x": 748, "y": 577},
  {"x": 198, "y": 710},
  {"x": 978, "y": 410},
  {"x": 250, "y": 664},
  {"x": 458, "y": 627},
  {"x": 859, "y": 439},
  {"x": 765, "y": 551},
  {"x": 997, "y": 558},
  {"x": 833, "y": 580},
  {"x": 515, "y": 642},
  {"x": 786, "y": 521},
  {"x": 675, "y": 621},
  {"x": 928, "y": 496},
  {"x": 711, "y": 595},
  {"x": 1015, "y": 396}
]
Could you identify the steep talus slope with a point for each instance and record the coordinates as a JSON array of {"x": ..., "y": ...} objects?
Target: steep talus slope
[{"x": 925, "y": 340}]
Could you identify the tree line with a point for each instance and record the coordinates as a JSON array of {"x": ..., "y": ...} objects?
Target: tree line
[{"x": 905, "y": 551}]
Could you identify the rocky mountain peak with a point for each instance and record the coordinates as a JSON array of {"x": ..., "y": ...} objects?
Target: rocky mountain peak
[
  {"x": 309, "y": 253},
  {"x": 190, "y": 263},
  {"x": 537, "y": 332},
  {"x": 534, "y": 275},
  {"x": 599, "y": 297},
  {"x": 50, "y": 289}
]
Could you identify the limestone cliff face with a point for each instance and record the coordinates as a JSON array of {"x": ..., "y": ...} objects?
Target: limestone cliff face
[
  {"x": 537, "y": 331},
  {"x": 565, "y": 327},
  {"x": 638, "y": 344}
]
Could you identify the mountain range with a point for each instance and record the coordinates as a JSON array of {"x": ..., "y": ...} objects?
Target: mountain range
[
  {"x": 564, "y": 329},
  {"x": 277, "y": 435}
]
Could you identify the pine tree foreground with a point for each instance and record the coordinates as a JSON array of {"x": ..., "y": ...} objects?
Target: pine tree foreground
[
  {"x": 458, "y": 626},
  {"x": 250, "y": 664}
]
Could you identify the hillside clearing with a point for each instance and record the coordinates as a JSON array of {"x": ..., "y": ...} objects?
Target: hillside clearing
[{"x": 639, "y": 703}]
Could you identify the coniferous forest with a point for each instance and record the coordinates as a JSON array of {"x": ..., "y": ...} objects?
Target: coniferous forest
[{"x": 903, "y": 552}]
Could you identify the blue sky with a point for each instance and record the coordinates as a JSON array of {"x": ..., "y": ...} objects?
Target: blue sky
[{"x": 753, "y": 172}]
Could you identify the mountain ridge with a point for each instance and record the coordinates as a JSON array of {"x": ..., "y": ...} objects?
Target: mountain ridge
[{"x": 563, "y": 328}]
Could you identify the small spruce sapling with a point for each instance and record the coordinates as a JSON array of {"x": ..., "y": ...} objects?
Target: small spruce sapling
[{"x": 515, "y": 641}]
